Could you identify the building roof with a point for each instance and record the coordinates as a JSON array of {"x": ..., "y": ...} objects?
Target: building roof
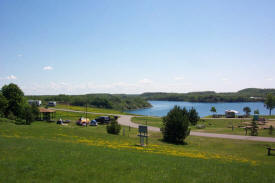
[
  {"x": 232, "y": 111},
  {"x": 44, "y": 110}
]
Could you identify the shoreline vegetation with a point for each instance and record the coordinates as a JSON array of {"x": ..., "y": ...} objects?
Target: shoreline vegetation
[
  {"x": 124, "y": 102},
  {"x": 245, "y": 95},
  {"x": 120, "y": 102}
]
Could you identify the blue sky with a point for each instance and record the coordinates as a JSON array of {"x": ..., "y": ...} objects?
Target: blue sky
[{"x": 76, "y": 47}]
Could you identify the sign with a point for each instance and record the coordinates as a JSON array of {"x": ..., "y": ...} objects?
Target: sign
[
  {"x": 143, "y": 134},
  {"x": 142, "y": 129}
]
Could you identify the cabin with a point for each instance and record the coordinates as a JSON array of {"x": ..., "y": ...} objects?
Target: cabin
[
  {"x": 231, "y": 113},
  {"x": 36, "y": 102},
  {"x": 46, "y": 114}
]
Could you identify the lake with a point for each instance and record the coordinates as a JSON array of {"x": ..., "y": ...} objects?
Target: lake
[{"x": 161, "y": 108}]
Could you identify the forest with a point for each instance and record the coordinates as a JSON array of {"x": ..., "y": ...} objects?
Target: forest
[
  {"x": 108, "y": 101},
  {"x": 245, "y": 95}
]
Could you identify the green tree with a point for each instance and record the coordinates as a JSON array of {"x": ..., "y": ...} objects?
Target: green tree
[
  {"x": 257, "y": 111},
  {"x": 28, "y": 114},
  {"x": 15, "y": 97},
  {"x": 270, "y": 102},
  {"x": 270, "y": 130},
  {"x": 113, "y": 127},
  {"x": 175, "y": 126},
  {"x": 3, "y": 105},
  {"x": 193, "y": 116},
  {"x": 254, "y": 129},
  {"x": 213, "y": 110},
  {"x": 247, "y": 110}
]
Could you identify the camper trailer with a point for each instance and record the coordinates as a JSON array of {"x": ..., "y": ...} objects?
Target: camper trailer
[{"x": 36, "y": 102}]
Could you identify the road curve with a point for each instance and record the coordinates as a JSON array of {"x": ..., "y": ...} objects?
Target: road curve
[{"x": 126, "y": 121}]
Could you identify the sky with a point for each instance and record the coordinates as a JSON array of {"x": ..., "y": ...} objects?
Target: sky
[{"x": 105, "y": 46}]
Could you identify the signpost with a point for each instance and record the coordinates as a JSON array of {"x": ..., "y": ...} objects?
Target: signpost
[{"x": 143, "y": 133}]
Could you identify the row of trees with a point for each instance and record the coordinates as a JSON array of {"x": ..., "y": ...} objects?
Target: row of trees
[
  {"x": 109, "y": 101},
  {"x": 246, "y": 95},
  {"x": 269, "y": 104},
  {"x": 14, "y": 106},
  {"x": 176, "y": 124}
]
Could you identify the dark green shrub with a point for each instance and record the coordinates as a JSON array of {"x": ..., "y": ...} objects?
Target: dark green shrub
[
  {"x": 254, "y": 129},
  {"x": 113, "y": 127},
  {"x": 270, "y": 130},
  {"x": 175, "y": 126},
  {"x": 193, "y": 116}
]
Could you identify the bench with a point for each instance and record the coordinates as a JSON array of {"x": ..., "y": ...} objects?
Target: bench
[{"x": 268, "y": 150}]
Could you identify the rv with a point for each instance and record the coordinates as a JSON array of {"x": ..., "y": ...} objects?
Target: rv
[{"x": 36, "y": 102}]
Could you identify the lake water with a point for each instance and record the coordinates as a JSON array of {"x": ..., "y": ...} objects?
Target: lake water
[{"x": 161, "y": 108}]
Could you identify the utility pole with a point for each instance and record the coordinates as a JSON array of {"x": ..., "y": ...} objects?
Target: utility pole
[{"x": 86, "y": 115}]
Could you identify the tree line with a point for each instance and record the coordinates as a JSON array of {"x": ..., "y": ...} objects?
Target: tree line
[
  {"x": 108, "y": 101},
  {"x": 246, "y": 95}
]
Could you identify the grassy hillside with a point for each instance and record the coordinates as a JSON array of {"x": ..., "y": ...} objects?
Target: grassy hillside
[{"x": 46, "y": 152}]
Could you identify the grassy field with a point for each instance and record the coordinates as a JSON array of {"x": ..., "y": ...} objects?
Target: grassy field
[
  {"x": 212, "y": 125},
  {"x": 89, "y": 109},
  {"x": 46, "y": 152}
]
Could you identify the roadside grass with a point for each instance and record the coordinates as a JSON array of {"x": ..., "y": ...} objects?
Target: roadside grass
[
  {"x": 223, "y": 126},
  {"x": 46, "y": 152},
  {"x": 268, "y": 117},
  {"x": 89, "y": 109},
  {"x": 150, "y": 121}
]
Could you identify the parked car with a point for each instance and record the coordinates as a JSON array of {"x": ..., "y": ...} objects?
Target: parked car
[
  {"x": 67, "y": 121},
  {"x": 93, "y": 123},
  {"x": 52, "y": 103},
  {"x": 103, "y": 119}
]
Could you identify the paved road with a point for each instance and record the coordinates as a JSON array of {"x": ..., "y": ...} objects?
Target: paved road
[{"x": 126, "y": 121}]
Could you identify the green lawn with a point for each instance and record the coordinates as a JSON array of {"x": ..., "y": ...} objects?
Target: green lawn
[
  {"x": 212, "y": 125},
  {"x": 46, "y": 152}
]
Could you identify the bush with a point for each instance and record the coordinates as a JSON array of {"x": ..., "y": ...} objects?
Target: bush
[
  {"x": 175, "y": 126},
  {"x": 113, "y": 127},
  {"x": 270, "y": 130},
  {"x": 254, "y": 129},
  {"x": 193, "y": 116}
]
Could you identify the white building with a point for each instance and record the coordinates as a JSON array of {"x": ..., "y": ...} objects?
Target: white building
[
  {"x": 231, "y": 113},
  {"x": 36, "y": 102}
]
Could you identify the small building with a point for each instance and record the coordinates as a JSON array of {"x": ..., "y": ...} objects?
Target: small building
[
  {"x": 231, "y": 113},
  {"x": 52, "y": 103},
  {"x": 36, "y": 102},
  {"x": 46, "y": 114}
]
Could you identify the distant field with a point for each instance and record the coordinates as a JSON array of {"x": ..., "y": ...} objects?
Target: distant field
[
  {"x": 212, "y": 125},
  {"x": 46, "y": 152}
]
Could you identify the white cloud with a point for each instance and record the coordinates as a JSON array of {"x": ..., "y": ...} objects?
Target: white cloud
[
  {"x": 145, "y": 81},
  {"x": 269, "y": 79},
  {"x": 47, "y": 68},
  {"x": 179, "y": 78},
  {"x": 225, "y": 79},
  {"x": 20, "y": 55},
  {"x": 10, "y": 77}
]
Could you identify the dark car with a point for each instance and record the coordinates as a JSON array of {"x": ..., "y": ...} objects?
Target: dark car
[{"x": 103, "y": 119}]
